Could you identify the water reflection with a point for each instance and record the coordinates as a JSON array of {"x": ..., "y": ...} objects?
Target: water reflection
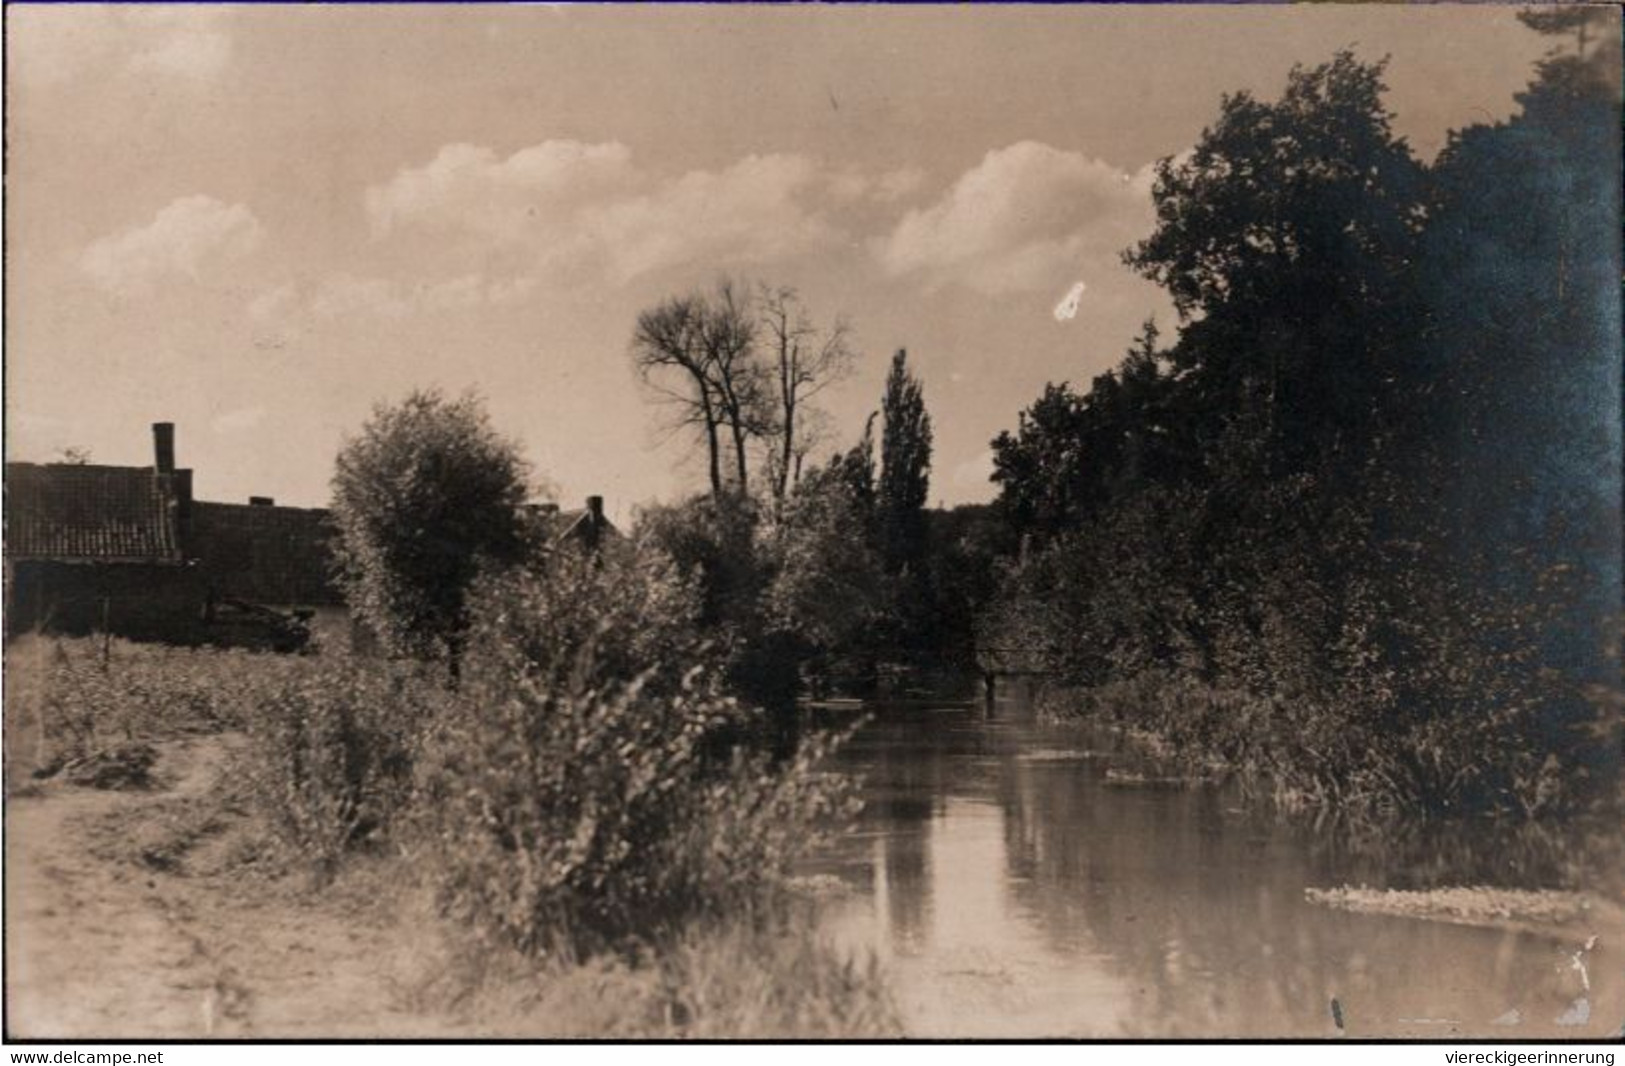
[{"x": 1012, "y": 891}]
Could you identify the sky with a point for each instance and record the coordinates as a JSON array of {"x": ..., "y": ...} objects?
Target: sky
[{"x": 260, "y": 222}]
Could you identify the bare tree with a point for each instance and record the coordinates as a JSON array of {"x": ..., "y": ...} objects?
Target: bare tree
[
  {"x": 738, "y": 376},
  {"x": 707, "y": 343},
  {"x": 670, "y": 341},
  {"x": 804, "y": 360},
  {"x": 814, "y": 428}
]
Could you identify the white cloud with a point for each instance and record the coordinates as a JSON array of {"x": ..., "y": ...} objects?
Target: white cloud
[
  {"x": 1024, "y": 218},
  {"x": 582, "y": 211},
  {"x": 52, "y": 44},
  {"x": 888, "y": 187},
  {"x": 346, "y": 295},
  {"x": 192, "y": 233},
  {"x": 751, "y": 212},
  {"x": 466, "y": 186}
]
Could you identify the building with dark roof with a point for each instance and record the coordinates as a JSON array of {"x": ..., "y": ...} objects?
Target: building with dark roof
[
  {"x": 126, "y": 550},
  {"x": 264, "y": 554},
  {"x": 587, "y": 528},
  {"x": 101, "y": 548}
]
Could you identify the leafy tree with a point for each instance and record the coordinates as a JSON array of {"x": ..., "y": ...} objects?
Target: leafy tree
[
  {"x": 1072, "y": 455},
  {"x": 827, "y": 575},
  {"x": 905, "y": 468},
  {"x": 1286, "y": 239},
  {"x": 1352, "y": 530},
  {"x": 425, "y": 496},
  {"x": 1521, "y": 276}
]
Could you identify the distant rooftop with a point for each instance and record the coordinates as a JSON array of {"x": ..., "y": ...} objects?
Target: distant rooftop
[{"x": 82, "y": 513}]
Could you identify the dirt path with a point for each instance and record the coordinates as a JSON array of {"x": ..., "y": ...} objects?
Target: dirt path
[{"x": 101, "y": 945}]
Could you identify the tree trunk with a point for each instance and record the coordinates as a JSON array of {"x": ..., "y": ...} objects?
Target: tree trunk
[
  {"x": 739, "y": 452},
  {"x": 712, "y": 444},
  {"x": 787, "y": 447}
]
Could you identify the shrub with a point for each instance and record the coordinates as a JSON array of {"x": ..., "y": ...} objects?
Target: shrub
[
  {"x": 329, "y": 763},
  {"x": 572, "y": 798}
]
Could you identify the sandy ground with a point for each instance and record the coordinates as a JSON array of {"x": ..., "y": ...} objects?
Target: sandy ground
[{"x": 101, "y": 944}]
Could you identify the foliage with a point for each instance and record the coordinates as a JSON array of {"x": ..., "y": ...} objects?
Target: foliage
[
  {"x": 424, "y": 497},
  {"x": 826, "y": 576},
  {"x": 905, "y": 468},
  {"x": 1073, "y": 454},
  {"x": 569, "y": 804},
  {"x": 330, "y": 754},
  {"x": 1349, "y": 533},
  {"x": 770, "y": 980},
  {"x": 740, "y": 365},
  {"x": 1286, "y": 239},
  {"x": 713, "y": 546},
  {"x": 90, "y": 695}
]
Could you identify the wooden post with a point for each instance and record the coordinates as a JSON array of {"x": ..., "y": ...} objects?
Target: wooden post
[{"x": 107, "y": 631}]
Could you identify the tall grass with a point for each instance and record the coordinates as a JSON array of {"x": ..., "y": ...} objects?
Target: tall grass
[
  {"x": 83, "y": 695},
  {"x": 579, "y": 800},
  {"x": 577, "y": 792}
]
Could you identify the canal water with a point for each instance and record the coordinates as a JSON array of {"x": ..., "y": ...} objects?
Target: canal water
[{"x": 1012, "y": 888}]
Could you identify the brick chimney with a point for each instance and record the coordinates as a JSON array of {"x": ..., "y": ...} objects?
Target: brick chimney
[
  {"x": 595, "y": 521},
  {"x": 182, "y": 482},
  {"x": 163, "y": 447}
]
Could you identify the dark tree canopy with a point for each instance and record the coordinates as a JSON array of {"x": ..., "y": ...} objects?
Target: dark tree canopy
[
  {"x": 905, "y": 467},
  {"x": 1371, "y": 492},
  {"x": 1286, "y": 239}
]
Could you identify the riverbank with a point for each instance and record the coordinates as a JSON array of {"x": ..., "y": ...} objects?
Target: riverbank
[
  {"x": 1361, "y": 778},
  {"x": 157, "y": 914},
  {"x": 179, "y": 901}
]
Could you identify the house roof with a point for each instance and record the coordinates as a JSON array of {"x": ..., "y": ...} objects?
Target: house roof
[
  {"x": 265, "y": 554},
  {"x": 84, "y": 513},
  {"x": 558, "y": 526}
]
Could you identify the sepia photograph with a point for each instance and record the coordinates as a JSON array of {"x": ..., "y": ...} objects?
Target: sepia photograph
[{"x": 813, "y": 522}]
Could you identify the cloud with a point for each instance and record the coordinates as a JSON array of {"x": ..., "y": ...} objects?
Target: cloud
[
  {"x": 583, "y": 211},
  {"x": 750, "y": 212},
  {"x": 884, "y": 188},
  {"x": 466, "y": 186},
  {"x": 53, "y": 44},
  {"x": 191, "y": 233},
  {"x": 1023, "y": 219}
]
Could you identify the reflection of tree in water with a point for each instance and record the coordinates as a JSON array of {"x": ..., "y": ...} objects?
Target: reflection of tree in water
[
  {"x": 1201, "y": 913},
  {"x": 906, "y": 759}
]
